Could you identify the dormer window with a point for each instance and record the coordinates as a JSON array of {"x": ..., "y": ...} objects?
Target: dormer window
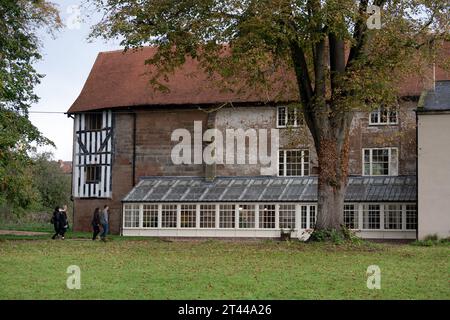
[
  {"x": 288, "y": 117},
  {"x": 383, "y": 116}
]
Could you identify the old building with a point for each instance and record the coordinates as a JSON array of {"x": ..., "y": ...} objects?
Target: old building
[{"x": 123, "y": 132}]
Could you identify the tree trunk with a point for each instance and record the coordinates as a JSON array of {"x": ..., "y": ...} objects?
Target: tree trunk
[
  {"x": 330, "y": 206},
  {"x": 332, "y": 184}
]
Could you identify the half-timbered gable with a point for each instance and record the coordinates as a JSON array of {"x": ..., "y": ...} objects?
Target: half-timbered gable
[{"x": 92, "y": 155}]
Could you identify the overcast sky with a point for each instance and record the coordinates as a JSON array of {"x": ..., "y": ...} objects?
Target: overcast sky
[{"x": 66, "y": 63}]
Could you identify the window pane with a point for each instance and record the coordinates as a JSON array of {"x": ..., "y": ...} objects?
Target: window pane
[
  {"x": 371, "y": 216},
  {"x": 303, "y": 210},
  {"x": 379, "y": 162},
  {"x": 131, "y": 216},
  {"x": 366, "y": 155},
  {"x": 226, "y": 215},
  {"x": 246, "y": 216},
  {"x": 367, "y": 169},
  {"x": 188, "y": 215},
  {"x": 411, "y": 217},
  {"x": 393, "y": 117},
  {"x": 312, "y": 217},
  {"x": 384, "y": 116},
  {"x": 393, "y": 216},
  {"x": 291, "y": 117},
  {"x": 281, "y": 162},
  {"x": 207, "y": 216},
  {"x": 350, "y": 216},
  {"x": 287, "y": 216},
  {"x": 168, "y": 216},
  {"x": 281, "y": 116},
  {"x": 374, "y": 117},
  {"x": 267, "y": 216},
  {"x": 150, "y": 216},
  {"x": 92, "y": 173},
  {"x": 394, "y": 162},
  {"x": 295, "y": 161}
]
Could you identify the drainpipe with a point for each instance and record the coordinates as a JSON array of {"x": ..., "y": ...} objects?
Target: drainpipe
[
  {"x": 417, "y": 174},
  {"x": 134, "y": 150},
  {"x": 210, "y": 169},
  {"x": 420, "y": 106}
]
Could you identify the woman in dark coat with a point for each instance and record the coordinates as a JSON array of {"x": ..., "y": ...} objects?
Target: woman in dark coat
[
  {"x": 63, "y": 222},
  {"x": 96, "y": 223},
  {"x": 55, "y": 221}
]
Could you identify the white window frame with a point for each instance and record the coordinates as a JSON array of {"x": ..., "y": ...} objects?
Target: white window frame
[
  {"x": 153, "y": 211},
  {"x": 380, "y": 220},
  {"x": 297, "y": 120},
  {"x": 263, "y": 211},
  {"x": 177, "y": 213},
  {"x": 303, "y": 162},
  {"x": 288, "y": 213},
  {"x": 191, "y": 208},
  {"x": 222, "y": 216},
  {"x": 390, "y": 168},
  {"x": 305, "y": 215},
  {"x": 354, "y": 210},
  {"x": 131, "y": 211},
  {"x": 254, "y": 223},
  {"x": 207, "y": 210},
  {"x": 409, "y": 211},
  {"x": 393, "y": 211},
  {"x": 379, "y": 122}
]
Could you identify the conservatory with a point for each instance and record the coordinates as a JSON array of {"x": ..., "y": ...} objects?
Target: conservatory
[{"x": 266, "y": 207}]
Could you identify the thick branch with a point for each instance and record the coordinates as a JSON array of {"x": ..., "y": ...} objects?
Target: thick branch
[
  {"x": 301, "y": 72},
  {"x": 359, "y": 34},
  {"x": 337, "y": 60},
  {"x": 305, "y": 87},
  {"x": 319, "y": 70}
]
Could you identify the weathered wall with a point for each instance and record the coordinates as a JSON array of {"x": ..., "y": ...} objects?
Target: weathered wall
[
  {"x": 402, "y": 136},
  {"x": 434, "y": 175},
  {"x": 154, "y": 145}
]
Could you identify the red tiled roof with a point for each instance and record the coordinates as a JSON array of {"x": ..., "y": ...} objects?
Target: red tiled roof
[
  {"x": 65, "y": 166},
  {"x": 118, "y": 79}
]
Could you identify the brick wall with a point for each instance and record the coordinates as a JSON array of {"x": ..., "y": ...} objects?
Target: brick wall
[{"x": 154, "y": 145}]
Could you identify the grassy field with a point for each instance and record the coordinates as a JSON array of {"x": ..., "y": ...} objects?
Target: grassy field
[{"x": 154, "y": 269}]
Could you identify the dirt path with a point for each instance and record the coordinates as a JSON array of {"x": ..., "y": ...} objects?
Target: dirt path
[{"x": 22, "y": 233}]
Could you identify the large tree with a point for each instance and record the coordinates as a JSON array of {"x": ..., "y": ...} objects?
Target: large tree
[
  {"x": 340, "y": 64},
  {"x": 21, "y": 21}
]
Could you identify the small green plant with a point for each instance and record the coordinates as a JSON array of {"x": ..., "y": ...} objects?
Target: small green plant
[
  {"x": 344, "y": 235},
  {"x": 431, "y": 237},
  {"x": 431, "y": 240}
]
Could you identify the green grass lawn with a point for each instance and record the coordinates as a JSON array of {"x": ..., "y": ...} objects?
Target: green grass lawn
[{"x": 154, "y": 269}]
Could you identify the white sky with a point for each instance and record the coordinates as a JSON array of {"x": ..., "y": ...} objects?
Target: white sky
[{"x": 66, "y": 63}]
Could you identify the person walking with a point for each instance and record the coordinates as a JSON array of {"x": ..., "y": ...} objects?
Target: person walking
[
  {"x": 96, "y": 223},
  {"x": 63, "y": 222},
  {"x": 104, "y": 220},
  {"x": 55, "y": 222}
]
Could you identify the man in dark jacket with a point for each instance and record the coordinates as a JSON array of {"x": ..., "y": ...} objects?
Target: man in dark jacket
[
  {"x": 96, "y": 223},
  {"x": 55, "y": 222},
  {"x": 63, "y": 222}
]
